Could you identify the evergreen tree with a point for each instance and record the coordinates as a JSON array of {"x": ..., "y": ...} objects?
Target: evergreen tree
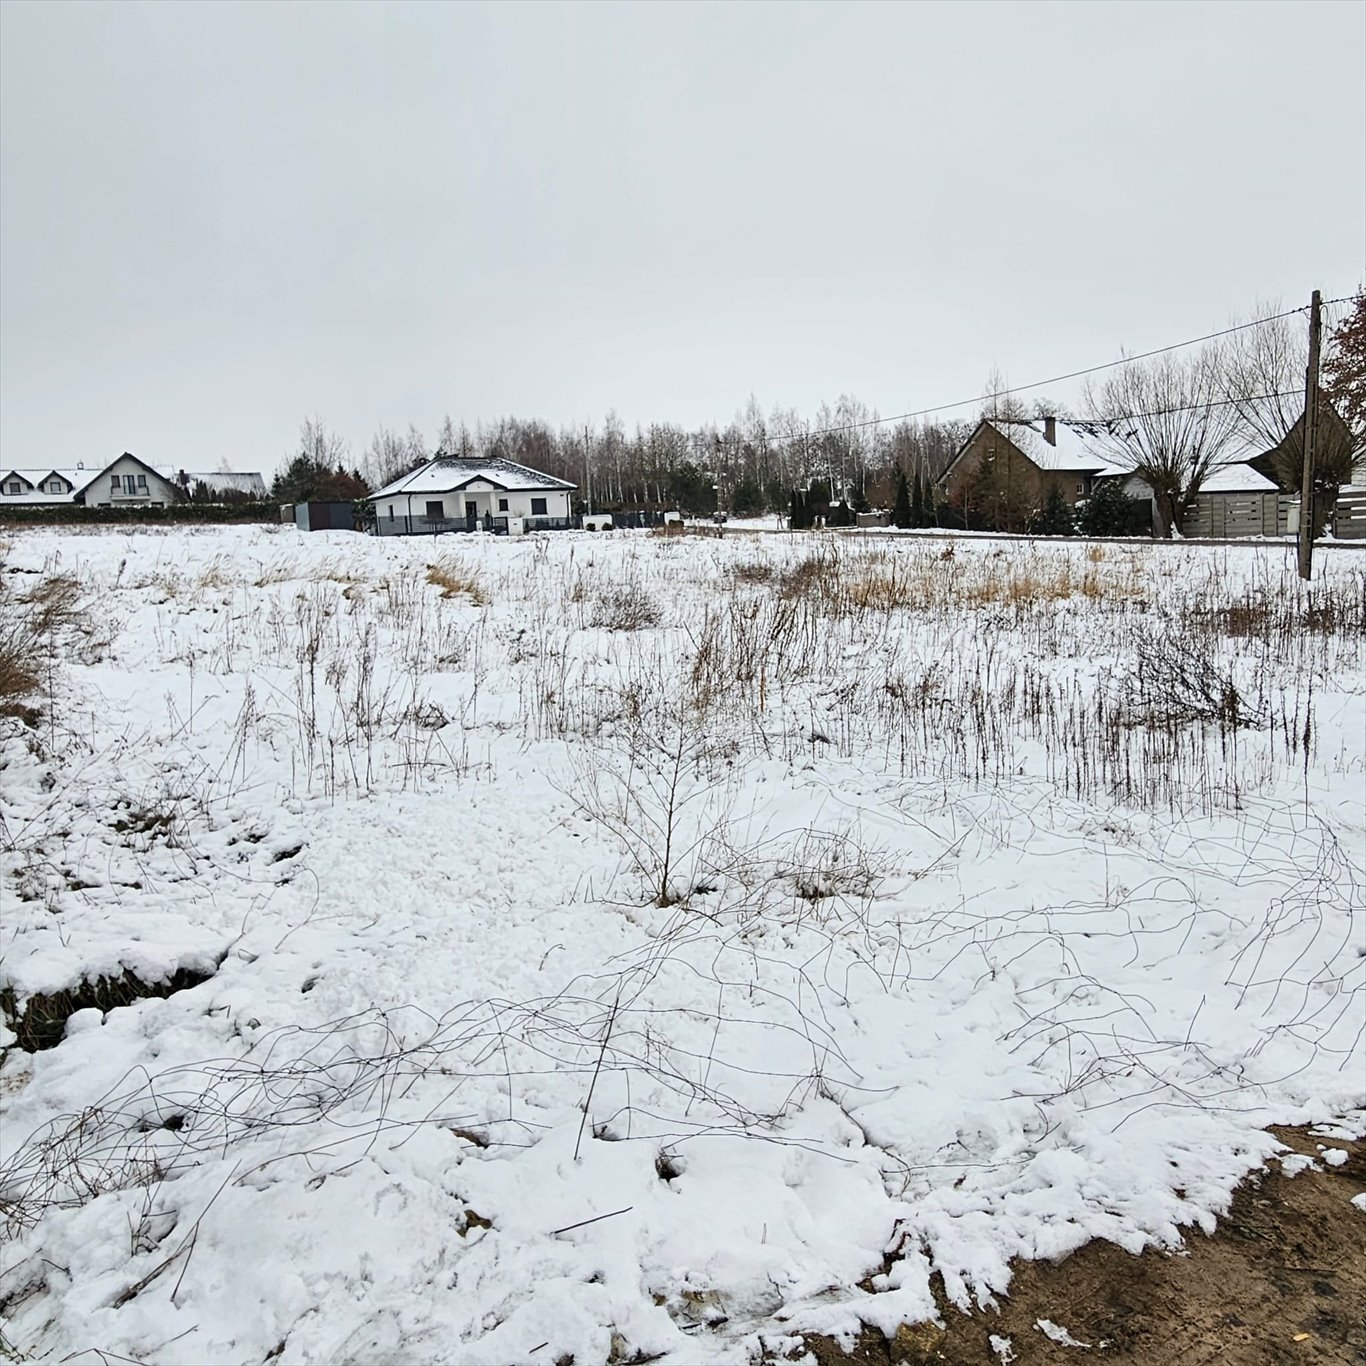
[
  {"x": 1055, "y": 517},
  {"x": 903, "y": 512},
  {"x": 747, "y": 500},
  {"x": 1109, "y": 511},
  {"x": 927, "y": 517}
]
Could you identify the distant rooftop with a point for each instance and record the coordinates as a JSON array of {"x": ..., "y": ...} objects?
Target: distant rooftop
[{"x": 448, "y": 472}]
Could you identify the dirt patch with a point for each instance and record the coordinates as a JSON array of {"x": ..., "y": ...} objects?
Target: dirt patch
[
  {"x": 43, "y": 1022},
  {"x": 1282, "y": 1280}
]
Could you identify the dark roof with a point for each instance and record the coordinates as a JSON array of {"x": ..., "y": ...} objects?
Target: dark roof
[{"x": 1333, "y": 431}]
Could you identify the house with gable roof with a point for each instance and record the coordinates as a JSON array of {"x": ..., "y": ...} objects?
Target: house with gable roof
[
  {"x": 124, "y": 482},
  {"x": 1005, "y": 470},
  {"x": 472, "y": 493}
]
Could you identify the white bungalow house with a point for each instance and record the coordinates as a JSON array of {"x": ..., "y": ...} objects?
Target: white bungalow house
[{"x": 468, "y": 493}]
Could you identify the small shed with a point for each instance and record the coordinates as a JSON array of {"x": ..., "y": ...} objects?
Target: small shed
[{"x": 325, "y": 516}]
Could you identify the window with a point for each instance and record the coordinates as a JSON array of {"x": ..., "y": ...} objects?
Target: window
[
  {"x": 435, "y": 511},
  {"x": 502, "y": 505},
  {"x": 538, "y": 507},
  {"x": 56, "y": 486},
  {"x": 115, "y": 484},
  {"x": 1081, "y": 488},
  {"x": 142, "y": 483},
  {"x": 13, "y": 486}
]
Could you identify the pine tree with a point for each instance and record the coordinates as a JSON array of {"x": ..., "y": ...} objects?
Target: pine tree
[
  {"x": 903, "y": 514},
  {"x": 1055, "y": 518},
  {"x": 1109, "y": 511}
]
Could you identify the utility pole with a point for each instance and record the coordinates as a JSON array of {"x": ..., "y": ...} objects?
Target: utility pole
[
  {"x": 587, "y": 473},
  {"x": 1311, "y": 436}
]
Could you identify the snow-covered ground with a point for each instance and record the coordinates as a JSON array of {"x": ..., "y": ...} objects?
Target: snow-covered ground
[{"x": 622, "y": 948}]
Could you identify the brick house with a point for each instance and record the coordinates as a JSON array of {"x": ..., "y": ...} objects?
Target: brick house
[{"x": 1004, "y": 471}]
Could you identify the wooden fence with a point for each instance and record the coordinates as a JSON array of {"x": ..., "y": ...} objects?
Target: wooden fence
[{"x": 1231, "y": 516}]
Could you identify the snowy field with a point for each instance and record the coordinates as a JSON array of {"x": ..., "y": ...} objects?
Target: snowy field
[{"x": 611, "y": 949}]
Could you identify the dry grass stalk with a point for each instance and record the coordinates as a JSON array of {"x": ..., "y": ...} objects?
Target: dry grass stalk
[{"x": 456, "y": 580}]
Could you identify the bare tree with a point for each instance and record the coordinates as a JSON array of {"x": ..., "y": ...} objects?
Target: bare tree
[
  {"x": 1264, "y": 370},
  {"x": 319, "y": 444},
  {"x": 318, "y": 468},
  {"x": 1167, "y": 421},
  {"x": 385, "y": 458},
  {"x": 998, "y": 403}
]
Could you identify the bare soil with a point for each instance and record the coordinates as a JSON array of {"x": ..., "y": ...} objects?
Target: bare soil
[{"x": 1282, "y": 1280}]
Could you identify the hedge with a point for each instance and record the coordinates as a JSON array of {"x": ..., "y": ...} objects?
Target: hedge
[{"x": 173, "y": 514}]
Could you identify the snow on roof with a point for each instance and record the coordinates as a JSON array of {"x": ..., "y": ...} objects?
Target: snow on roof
[
  {"x": 1071, "y": 448},
  {"x": 1235, "y": 477},
  {"x": 447, "y": 472},
  {"x": 218, "y": 481},
  {"x": 38, "y": 476},
  {"x": 1228, "y": 476}
]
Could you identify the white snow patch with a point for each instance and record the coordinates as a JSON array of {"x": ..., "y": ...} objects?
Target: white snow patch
[{"x": 1059, "y": 1334}]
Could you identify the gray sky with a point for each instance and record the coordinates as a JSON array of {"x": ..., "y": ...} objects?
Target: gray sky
[{"x": 215, "y": 220}]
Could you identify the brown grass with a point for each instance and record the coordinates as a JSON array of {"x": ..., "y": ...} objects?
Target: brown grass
[
  {"x": 19, "y": 677},
  {"x": 457, "y": 580}
]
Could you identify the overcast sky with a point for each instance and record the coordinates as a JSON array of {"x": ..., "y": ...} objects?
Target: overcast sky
[{"x": 215, "y": 220}]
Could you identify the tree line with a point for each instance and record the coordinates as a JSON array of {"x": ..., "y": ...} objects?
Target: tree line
[{"x": 1170, "y": 420}]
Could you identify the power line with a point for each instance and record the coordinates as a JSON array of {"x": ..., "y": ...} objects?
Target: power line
[
  {"x": 1094, "y": 426},
  {"x": 1059, "y": 379}
]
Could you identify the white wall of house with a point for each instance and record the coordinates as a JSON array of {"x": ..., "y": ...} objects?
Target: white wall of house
[
  {"x": 147, "y": 488},
  {"x": 520, "y": 504},
  {"x": 487, "y": 499}
]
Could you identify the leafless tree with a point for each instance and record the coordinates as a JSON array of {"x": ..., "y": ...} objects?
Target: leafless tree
[
  {"x": 1167, "y": 421},
  {"x": 385, "y": 458},
  {"x": 1264, "y": 372},
  {"x": 320, "y": 445}
]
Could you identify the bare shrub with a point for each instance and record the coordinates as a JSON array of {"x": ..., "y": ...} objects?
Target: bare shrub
[
  {"x": 19, "y": 676},
  {"x": 1174, "y": 681},
  {"x": 54, "y": 604},
  {"x": 824, "y": 865},
  {"x": 754, "y": 571},
  {"x": 624, "y": 607},
  {"x": 815, "y": 576}
]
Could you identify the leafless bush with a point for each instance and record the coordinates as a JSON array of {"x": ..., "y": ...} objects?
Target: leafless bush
[
  {"x": 1174, "y": 682},
  {"x": 624, "y": 607},
  {"x": 754, "y": 571},
  {"x": 653, "y": 791},
  {"x": 19, "y": 675},
  {"x": 54, "y": 604}
]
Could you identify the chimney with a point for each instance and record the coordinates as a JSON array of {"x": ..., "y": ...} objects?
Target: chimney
[{"x": 1050, "y": 430}]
